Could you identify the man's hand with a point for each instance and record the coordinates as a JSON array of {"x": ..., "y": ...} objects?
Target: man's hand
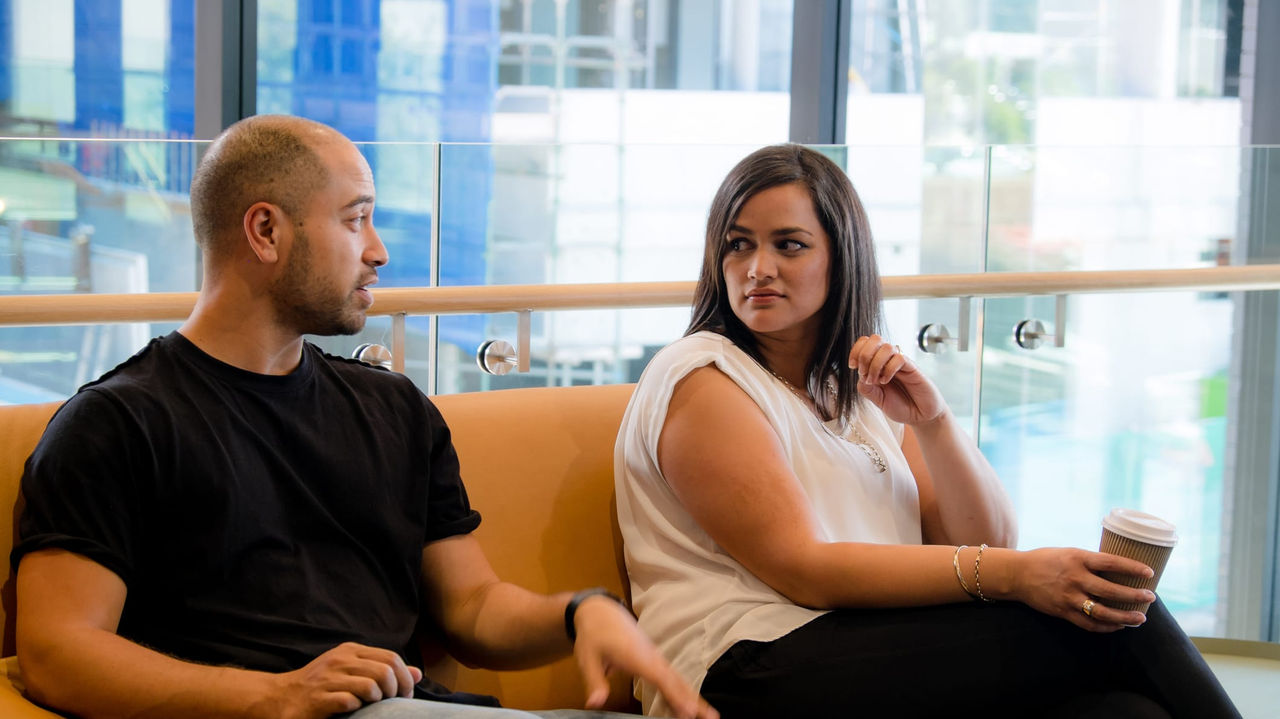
[
  {"x": 494, "y": 624},
  {"x": 342, "y": 679},
  {"x": 73, "y": 660},
  {"x": 609, "y": 639}
]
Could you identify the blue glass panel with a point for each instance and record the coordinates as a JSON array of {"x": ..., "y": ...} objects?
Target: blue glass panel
[
  {"x": 352, "y": 57},
  {"x": 180, "y": 70},
  {"x": 353, "y": 13},
  {"x": 321, "y": 11},
  {"x": 322, "y": 55},
  {"x": 6, "y": 51},
  {"x": 98, "y": 64}
]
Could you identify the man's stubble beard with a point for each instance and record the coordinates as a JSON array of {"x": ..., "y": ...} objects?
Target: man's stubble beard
[{"x": 306, "y": 307}]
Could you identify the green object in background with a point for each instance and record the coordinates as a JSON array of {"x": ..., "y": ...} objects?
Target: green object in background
[{"x": 1213, "y": 396}]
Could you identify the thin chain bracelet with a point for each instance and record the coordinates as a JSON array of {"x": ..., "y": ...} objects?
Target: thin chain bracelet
[
  {"x": 977, "y": 574},
  {"x": 955, "y": 562}
]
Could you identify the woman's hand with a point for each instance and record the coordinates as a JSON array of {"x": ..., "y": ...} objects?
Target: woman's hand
[
  {"x": 894, "y": 383},
  {"x": 1059, "y": 582}
]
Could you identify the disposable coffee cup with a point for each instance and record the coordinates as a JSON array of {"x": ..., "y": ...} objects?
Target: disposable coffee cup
[{"x": 1141, "y": 536}]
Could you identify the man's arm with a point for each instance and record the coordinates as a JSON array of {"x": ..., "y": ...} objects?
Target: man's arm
[
  {"x": 69, "y": 608},
  {"x": 498, "y": 625}
]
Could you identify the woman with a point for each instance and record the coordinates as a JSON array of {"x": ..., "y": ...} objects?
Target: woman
[{"x": 808, "y": 530}]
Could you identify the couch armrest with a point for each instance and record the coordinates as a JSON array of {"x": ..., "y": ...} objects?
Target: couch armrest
[{"x": 12, "y": 704}]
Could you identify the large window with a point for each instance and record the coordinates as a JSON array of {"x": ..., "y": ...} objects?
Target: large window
[
  {"x": 1087, "y": 102},
  {"x": 553, "y": 92},
  {"x": 108, "y": 214},
  {"x": 1081, "y": 72},
  {"x": 558, "y": 141}
]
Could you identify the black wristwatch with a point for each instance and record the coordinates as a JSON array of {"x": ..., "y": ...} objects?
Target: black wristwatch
[{"x": 571, "y": 608}]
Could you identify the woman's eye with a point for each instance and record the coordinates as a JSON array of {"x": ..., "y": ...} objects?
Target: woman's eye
[
  {"x": 737, "y": 244},
  {"x": 790, "y": 245}
]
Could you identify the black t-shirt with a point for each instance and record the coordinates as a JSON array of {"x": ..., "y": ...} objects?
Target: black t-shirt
[{"x": 257, "y": 521}]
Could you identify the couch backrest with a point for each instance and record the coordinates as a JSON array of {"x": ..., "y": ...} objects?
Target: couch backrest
[
  {"x": 538, "y": 465},
  {"x": 20, "y": 428}
]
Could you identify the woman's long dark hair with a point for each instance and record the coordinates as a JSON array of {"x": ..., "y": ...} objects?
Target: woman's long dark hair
[{"x": 845, "y": 315}]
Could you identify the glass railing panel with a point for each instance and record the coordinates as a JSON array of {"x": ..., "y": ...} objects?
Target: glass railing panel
[
  {"x": 952, "y": 370},
  {"x": 89, "y": 216},
  {"x": 577, "y": 213},
  {"x": 1125, "y": 415},
  {"x": 561, "y": 214},
  {"x": 45, "y": 364},
  {"x": 377, "y": 330},
  {"x": 404, "y": 175},
  {"x": 927, "y": 212},
  {"x": 571, "y": 347},
  {"x": 96, "y": 216},
  {"x": 610, "y": 213}
]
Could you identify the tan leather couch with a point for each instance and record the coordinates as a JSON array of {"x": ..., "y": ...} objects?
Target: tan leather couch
[{"x": 538, "y": 464}]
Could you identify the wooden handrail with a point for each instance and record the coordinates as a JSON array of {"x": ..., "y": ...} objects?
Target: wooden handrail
[{"x": 84, "y": 309}]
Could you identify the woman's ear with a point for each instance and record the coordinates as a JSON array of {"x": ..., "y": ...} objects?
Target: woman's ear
[{"x": 264, "y": 227}]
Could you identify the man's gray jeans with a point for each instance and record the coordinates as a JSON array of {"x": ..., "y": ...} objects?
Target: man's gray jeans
[{"x": 418, "y": 709}]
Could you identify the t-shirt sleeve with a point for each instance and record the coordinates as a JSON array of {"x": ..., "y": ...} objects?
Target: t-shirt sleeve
[
  {"x": 449, "y": 511},
  {"x": 79, "y": 485},
  {"x": 647, "y": 414}
]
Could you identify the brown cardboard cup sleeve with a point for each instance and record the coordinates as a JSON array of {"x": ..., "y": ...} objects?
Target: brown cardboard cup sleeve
[{"x": 1141, "y": 536}]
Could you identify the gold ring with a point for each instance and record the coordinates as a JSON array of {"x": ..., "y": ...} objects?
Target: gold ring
[{"x": 1087, "y": 607}]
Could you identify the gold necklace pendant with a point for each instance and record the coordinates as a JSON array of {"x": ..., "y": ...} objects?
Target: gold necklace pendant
[
  {"x": 872, "y": 453},
  {"x": 858, "y": 440}
]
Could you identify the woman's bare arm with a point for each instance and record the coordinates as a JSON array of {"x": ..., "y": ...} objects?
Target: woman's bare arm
[{"x": 723, "y": 460}]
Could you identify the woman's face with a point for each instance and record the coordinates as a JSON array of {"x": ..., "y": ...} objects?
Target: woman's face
[{"x": 775, "y": 264}]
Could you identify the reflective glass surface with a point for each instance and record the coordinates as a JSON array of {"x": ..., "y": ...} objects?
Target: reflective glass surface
[
  {"x": 1085, "y": 72},
  {"x": 1136, "y": 410},
  {"x": 1131, "y": 412},
  {"x": 101, "y": 68}
]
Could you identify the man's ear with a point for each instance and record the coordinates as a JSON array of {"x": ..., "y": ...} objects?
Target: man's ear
[{"x": 265, "y": 229}]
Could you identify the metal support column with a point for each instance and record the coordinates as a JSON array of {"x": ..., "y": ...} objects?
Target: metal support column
[
  {"x": 226, "y": 64},
  {"x": 1253, "y": 442},
  {"x": 819, "y": 71}
]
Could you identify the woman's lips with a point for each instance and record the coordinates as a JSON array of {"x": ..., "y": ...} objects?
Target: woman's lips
[{"x": 763, "y": 298}]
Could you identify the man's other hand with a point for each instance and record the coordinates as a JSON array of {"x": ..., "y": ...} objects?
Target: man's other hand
[
  {"x": 609, "y": 639},
  {"x": 343, "y": 679}
]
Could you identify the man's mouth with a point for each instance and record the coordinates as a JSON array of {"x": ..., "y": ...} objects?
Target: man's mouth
[{"x": 364, "y": 292}]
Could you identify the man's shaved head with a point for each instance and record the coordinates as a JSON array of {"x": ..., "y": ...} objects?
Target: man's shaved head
[{"x": 265, "y": 158}]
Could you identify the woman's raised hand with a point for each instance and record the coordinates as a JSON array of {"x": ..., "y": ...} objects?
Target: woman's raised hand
[
  {"x": 1065, "y": 583},
  {"x": 894, "y": 383}
]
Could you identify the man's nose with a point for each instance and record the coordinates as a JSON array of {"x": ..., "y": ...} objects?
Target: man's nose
[{"x": 375, "y": 253}]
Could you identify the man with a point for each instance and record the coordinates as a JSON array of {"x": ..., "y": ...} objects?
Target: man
[{"x": 232, "y": 523}]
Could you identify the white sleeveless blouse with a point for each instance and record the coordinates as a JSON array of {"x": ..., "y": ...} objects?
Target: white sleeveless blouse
[{"x": 693, "y": 599}]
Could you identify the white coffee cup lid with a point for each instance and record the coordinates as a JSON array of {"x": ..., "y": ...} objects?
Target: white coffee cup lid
[{"x": 1141, "y": 526}]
